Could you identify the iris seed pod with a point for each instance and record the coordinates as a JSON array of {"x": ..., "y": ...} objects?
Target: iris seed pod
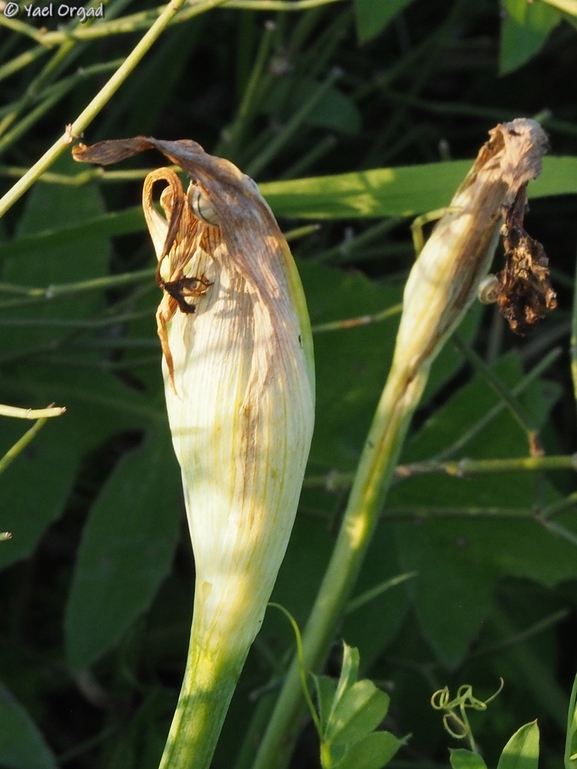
[
  {"x": 239, "y": 377},
  {"x": 457, "y": 256}
]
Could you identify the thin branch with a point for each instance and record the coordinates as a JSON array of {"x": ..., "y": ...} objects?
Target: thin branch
[
  {"x": 464, "y": 468},
  {"x": 19, "y": 446},
  {"x": 19, "y": 413},
  {"x": 98, "y": 102},
  {"x": 138, "y": 21}
]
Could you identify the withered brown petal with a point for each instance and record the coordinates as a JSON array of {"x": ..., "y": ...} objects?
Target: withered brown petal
[
  {"x": 525, "y": 290},
  {"x": 114, "y": 150},
  {"x": 238, "y": 205}
]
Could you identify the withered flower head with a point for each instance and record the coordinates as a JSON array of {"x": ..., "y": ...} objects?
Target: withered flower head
[
  {"x": 239, "y": 386},
  {"x": 457, "y": 256},
  {"x": 523, "y": 289}
]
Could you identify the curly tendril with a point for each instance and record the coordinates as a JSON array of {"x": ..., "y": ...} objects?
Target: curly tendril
[{"x": 455, "y": 719}]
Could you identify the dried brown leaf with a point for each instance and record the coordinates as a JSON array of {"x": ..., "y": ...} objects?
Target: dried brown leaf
[{"x": 525, "y": 292}]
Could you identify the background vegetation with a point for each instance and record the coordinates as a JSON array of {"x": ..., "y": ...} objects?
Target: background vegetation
[{"x": 97, "y": 579}]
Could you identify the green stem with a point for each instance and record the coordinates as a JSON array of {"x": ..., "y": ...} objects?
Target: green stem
[
  {"x": 558, "y": 507},
  {"x": 249, "y": 101},
  {"x": 20, "y": 413},
  {"x": 274, "y": 147},
  {"x": 346, "y": 251},
  {"x": 77, "y": 180},
  {"x": 571, "y": 734},
  {"x": 21, "y": 444},
  {"x": 53, "y": 95},
  {"x": 467, "y": 467},
  {"x": 20, "y": 26},
  {"x": 221, "y": 636},
  {"x": 361, "y": 320},
  {"x": 560, "y": 531},
  {"x": 523, "y": 419},
  {"x": 463, "y": 468},
  {"x": 498, "y": 408},
  {"x": 212, "y": 672},
  {"x": 142, "y": 20},
  {"x": 97, "y": 103},
  {"x": 574, "y": 340},
  {"x": 21, "y": 61},
  {"x": 49, "y": 293},
  {"x": 385, "y": 439},
  {"x": 67, "y": 52}
]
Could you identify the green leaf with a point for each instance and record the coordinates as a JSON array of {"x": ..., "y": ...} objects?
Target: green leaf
[
  {"x": 525, "y": 28},
  {"x": 348, "y": 393},
  {"x": 326, "y": 690},
  {"x": 570, "y": 755},
  {"x": 372, "y": 16},
  {"x": 460, "y": 560},
  {"x": 522, "y": 750},
  {"x": 349, "y": 672},
  {"x": 139, "y": 745},
  {"x": 126, "y": 550},
  {"x": 358, "y": 712},
  {"x": 403, "y": 191},
  {"x": 35, "y": 488},
  {"x": 372, "y": 752},
  {"x": 21, "y": 744},
  {"x": 466, "y": 759},
  {"x": 451, "y": 580}
]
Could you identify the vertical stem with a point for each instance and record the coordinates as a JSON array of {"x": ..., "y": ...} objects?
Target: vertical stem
[
  {"x": 574, "y": 339},
  {"x": 382, "y": 447},
  {"x": 212, "y": 672},
  {"x": 21, "y": 444},
  {"x": 249, "y": 100},
  {"x": 571, "y": 734}
]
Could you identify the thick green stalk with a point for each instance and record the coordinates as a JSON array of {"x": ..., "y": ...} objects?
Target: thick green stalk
[
  {"x": 209, "y": 683},
  {"x": 378, "y": 461},
  {"x": 574, "y": 340},
  {"x": 239, "y": 387},
  {"x": 440, "y": 288}
]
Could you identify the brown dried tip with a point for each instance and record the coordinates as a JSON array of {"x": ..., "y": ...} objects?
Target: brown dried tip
[
  {"x": 524, "y": 292},
  {"x": 225, "y": 213}
]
